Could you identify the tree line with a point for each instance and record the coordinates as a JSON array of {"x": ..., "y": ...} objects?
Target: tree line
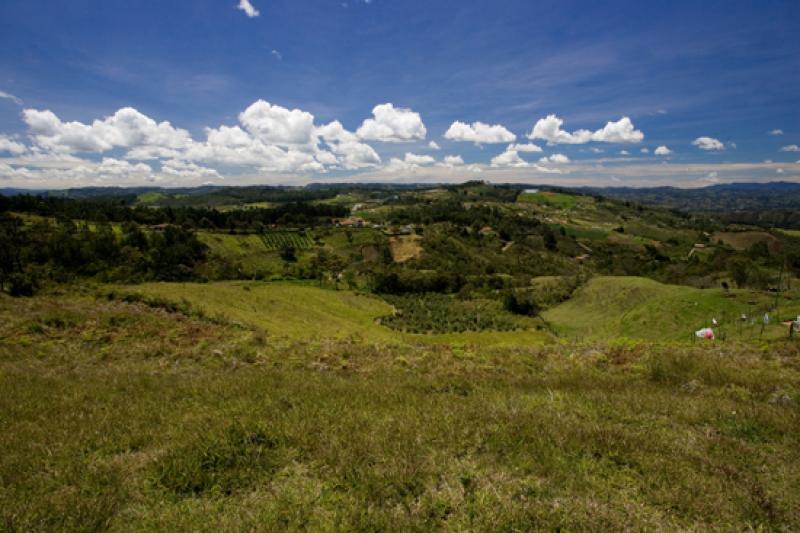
[
  {"x": 301, "y": 214},
  {"x": 63, "y": 250}
]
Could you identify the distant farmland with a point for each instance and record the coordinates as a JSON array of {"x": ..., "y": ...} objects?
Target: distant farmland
[{"x": 276, "y": 240}]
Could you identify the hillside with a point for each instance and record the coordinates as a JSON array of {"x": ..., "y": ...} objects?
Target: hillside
[
  {"x": 296, "y": 312},
  {"x": 453, "y": 358},
  {"x": 638, "y": 308},
  {"x": 764, "y": 204}
]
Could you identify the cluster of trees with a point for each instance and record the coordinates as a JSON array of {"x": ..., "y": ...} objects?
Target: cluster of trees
[
  {"x": 469, "y": 220},
  {"x": 63, "y": 250},
  {"x": 468, "y": 247},
  {"x": 521, "y": 304},
  {"x": 219, "y": 196},
  {"x": 299, "y": 214},
  {"x": 778, "y": 218},
  {"x": 414, "y": 281}
]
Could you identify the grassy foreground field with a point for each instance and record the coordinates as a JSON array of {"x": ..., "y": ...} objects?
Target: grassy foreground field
[{"x": 123, "y": 417}]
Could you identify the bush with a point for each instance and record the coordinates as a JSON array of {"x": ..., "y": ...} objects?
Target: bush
[
  {"x": 22, "y": 284},
  {"x": 520, "y": 304}
]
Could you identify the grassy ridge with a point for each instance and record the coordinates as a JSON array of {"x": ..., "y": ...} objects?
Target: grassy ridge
[
  {"x": 605, "y": 309},
  {"x": 640, "y": 308},
  {"x": 300, "y": 312},
  {"x": 122, "y": 417},
  {"x": 291, "y": 310}
]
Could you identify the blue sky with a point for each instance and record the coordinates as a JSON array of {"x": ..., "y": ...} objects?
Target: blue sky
[{"x": 251, "y": 90}]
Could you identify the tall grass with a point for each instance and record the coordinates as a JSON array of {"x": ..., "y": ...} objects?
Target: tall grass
[{"x": 121, "y": 416}]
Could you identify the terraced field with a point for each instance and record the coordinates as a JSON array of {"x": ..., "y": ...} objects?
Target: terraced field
[
  {"x": 247, "y": 250},
  {"x": 276, "y": 240}
]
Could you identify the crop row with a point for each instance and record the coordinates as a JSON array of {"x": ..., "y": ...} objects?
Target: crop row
[
  {"x": 438, "y": 313},
  {"x": 276, "y": 240}
]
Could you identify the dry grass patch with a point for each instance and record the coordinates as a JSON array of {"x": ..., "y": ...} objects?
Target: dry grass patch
[{"x": 405, "y": 247}]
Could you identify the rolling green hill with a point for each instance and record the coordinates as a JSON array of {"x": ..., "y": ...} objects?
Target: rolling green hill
[
  {"x": 304, "y": 312},
  {"x": 640, "y": 308}
]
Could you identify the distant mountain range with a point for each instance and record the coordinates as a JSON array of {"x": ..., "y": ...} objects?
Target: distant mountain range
[
  {"x": 675, "y": 192},
  {"x": 722, "y": 198}
]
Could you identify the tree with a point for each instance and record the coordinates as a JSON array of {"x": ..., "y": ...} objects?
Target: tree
[
  {"x": 758, "y": 250},
  {"x": 520, "y": 305},
  {"x": 9, "y": 248},
  {"x": 739, "y": 270},
  {"x": 327, "y": 265},
  {"x": 288, "y": 253},
  {"x": 550, "y": 241}
]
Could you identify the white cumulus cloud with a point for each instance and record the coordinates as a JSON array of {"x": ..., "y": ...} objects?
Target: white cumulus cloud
[
  {"x": 269, "y": 138},
  {"x": 274, "y": 124},
  {"x": 621, "y": 131},
  {"x": 663, "y": 150},
  {"x": 550, "y": 130},
  {"x": 392, "y": 124},
  {"x": 776, "y": 132},
  {"x": 350, "y": 153},
  {"x": 479, "y": 133},
  {"x": 509, "y": 158},
  {"x": 528, "y": 148},
  {"x": 127, "y": 128},
  {"x": 433, "y": 145},
  {"x": 248, "y": 8},
  {"x": 11, "y": 146},
  {"x": 791, "y": 148},
  {"x": 708, "y": 144},
  {"x": 410, "y": 162},
  {"x": 420, "y": 160},
  {"x": 558, "y": 159},
  {"x": 452, "y": 161},
  {"x": 183, "y": 169}
]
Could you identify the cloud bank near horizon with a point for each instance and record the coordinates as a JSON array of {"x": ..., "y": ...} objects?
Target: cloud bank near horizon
[{"x": 272, "y": 144}]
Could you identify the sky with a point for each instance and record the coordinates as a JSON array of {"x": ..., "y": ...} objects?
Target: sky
[{"x": 235, "y": 92}]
